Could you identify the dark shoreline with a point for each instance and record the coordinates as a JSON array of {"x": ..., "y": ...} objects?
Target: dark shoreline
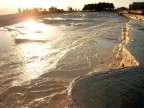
[{"x": 6, "y": 20}]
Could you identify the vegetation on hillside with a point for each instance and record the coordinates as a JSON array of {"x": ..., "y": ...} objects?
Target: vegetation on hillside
[
  {"x": 99, "y": 7},
  {"x": 88, "y": 7},
  {"x": 143, "y": 12},
  {"x": 122, "y": 8},
  {"x": 40, "y": 10}
]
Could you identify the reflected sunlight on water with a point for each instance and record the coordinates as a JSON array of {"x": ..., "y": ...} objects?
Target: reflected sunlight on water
[
  {"x": 33, "y": 30},
  {"x": 33, "y": 63},
  {"x": 32, "y": 49},
  {"x": 35, "y": 55},
  {"x": 34, "y": 70}
]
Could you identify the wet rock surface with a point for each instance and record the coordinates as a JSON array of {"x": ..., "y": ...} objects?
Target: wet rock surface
[{"x": 120, "y": 88}]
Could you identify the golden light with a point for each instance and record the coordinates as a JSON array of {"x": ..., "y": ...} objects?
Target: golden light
[
  {"x": 33, "y": 30},
  {"x": 33, "y": 65},
  {"x": 33, "y": 3},
  {"x": 33, "y": 26},
  {"x": 37, "y": 31}
]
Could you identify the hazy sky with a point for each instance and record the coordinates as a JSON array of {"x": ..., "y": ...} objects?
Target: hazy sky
[{"x": 63, "y": 4}]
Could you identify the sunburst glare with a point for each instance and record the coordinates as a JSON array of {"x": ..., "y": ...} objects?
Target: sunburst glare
[{"x": 37, "y": 31}]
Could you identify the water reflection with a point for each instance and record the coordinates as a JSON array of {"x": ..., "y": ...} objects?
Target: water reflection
[
  {"x": 33, "y": 26},
  {"x": 33, "y": 66},
  {"x": 36, "y": 31},
  {"x": 34, "y": 55},
  {"x": 29, "y": 50},
  {"x": 33, "y": 70}
]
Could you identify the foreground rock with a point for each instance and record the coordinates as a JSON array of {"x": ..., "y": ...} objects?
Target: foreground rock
[{"x": 122, "y": 88}]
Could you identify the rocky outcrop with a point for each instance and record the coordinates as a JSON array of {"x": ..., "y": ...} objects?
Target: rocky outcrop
[
  {"x": 119, "y": 88},
  {"x": 124, "y": 58}
]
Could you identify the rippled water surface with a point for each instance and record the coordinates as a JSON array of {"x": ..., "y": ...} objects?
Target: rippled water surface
[{"x": 40, "y": 58}]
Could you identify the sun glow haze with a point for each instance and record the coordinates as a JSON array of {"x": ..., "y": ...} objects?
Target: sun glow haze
[
  {"x": 34, "y": 30},
  {"x": 33, "y": 26},
  {"x": 33, "y": 3},
  {"x": 62, "y": 4}
]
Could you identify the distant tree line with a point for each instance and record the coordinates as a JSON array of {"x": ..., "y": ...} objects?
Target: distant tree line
[
  {"x": 88, "y": 7},
  {"x": 143, "y": 12},
  {"x": 99, "y": 7},
  {"x": 40, "y": 10},
  {"x": 45, "y": 11},
  {"x": 122, "y": 8}
]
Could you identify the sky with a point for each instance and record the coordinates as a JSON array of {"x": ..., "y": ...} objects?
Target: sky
[{"x": 61, "y": 4}]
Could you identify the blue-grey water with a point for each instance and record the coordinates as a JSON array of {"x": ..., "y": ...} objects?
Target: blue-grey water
[{"x": 37, "y": 74}]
